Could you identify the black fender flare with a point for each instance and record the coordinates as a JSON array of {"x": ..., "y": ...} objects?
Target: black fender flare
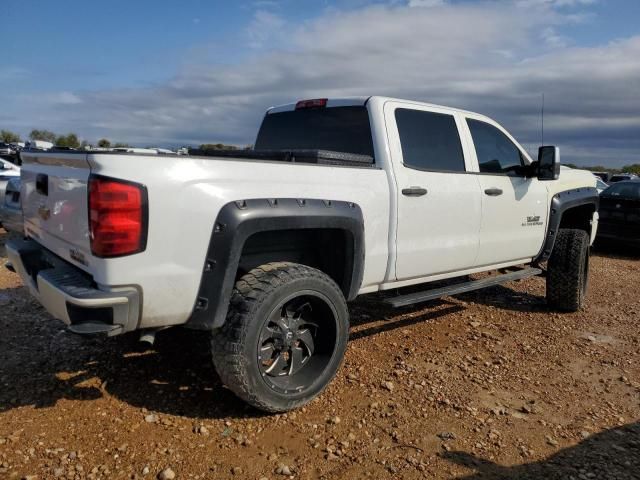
[
  {"x": 560, "y": 203},
  {"x": 238, "y": 220}
]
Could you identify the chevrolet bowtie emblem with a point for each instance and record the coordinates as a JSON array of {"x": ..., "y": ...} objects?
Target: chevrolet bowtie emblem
[{"x": 44, "y": 212}]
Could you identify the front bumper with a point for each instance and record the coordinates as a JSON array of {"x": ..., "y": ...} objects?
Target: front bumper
[{"x": 70, "y": 294}]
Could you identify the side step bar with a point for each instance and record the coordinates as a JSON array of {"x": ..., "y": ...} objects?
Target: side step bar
[{"x": 419, "y": 297}]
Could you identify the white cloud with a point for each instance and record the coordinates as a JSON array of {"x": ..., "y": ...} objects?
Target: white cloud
[
  {"x": 264, "y": 26},
  {"x": 426, "y": 3},
  {"x": 487, "y": 58}
]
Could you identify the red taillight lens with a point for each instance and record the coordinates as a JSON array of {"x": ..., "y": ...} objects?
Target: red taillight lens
[
  {"x": 314, "y": 103},
  {"x": 117, "y": 217}
]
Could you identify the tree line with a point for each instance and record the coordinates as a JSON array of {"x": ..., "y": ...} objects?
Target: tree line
[{"x": 70, "y": 140}]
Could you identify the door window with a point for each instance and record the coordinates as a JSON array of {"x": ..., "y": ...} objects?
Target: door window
[
  {"x": 496, "y": 152},
  {"x": 429, "y": 141}
]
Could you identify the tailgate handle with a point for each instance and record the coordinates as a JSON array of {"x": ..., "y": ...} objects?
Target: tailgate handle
[{"x": 42, "y": 184}]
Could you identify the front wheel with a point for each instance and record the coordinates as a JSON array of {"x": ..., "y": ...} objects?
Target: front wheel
[
  {"x": 568, "y": 270},
  {"x": 284, "y": 338}
]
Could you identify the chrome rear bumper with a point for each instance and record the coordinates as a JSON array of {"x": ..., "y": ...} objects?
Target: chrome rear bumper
[{"x": 70, "y": 295}]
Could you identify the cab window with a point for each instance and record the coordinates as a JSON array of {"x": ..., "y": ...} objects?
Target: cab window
[
  {"x": 496, "y": 153},
  {"x": 429, "y": 141}
]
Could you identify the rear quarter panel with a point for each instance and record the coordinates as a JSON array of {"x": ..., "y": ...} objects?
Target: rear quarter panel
[{"x": 185, "y": 196}]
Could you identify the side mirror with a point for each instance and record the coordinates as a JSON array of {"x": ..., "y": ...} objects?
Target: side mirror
[{"x": 548, "y": 163}]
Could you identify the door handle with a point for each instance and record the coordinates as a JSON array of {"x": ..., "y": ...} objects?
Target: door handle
[
  {"x": 414, "y": 191},
  {"x": 493, "y": 192}
]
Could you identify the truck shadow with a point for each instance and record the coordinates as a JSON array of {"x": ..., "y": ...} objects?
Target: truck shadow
[
  {"x": 42, "y": 363},
  {"x": 613, "y": 453}
]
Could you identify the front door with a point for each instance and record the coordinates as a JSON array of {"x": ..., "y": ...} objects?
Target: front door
[
  {"x": 438, "y": 202},
  {"x": 514, "y": 207}
]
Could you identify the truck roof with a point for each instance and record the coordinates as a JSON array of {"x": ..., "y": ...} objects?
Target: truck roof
[{"x": 362, "y": 100}]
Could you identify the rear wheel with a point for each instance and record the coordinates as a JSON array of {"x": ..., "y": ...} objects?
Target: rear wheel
[
  {"x": 568, "y": 270},
  {"x": 284, "y": 338}
]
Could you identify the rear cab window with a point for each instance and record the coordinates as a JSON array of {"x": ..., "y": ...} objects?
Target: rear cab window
[
  {"x": 340, "y": 129},
  {"x": 429, "y": 140}
]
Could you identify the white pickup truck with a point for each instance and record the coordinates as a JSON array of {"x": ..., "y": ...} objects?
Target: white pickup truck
[{"x": 263, "y": 248}]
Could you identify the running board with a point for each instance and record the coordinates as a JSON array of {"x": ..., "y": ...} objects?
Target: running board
[{"x": 425, "y": 296}]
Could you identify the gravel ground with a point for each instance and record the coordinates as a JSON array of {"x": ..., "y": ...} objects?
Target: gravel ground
[{"x": 484, "y": 385}]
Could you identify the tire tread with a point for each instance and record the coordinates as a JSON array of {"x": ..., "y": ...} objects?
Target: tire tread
[
  {"x": 565, "y": 270},
  {"x": 250, "y": 291}
]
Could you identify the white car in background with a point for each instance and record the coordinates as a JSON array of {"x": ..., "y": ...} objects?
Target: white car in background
[
  {"x": 7, "y": 171},
  {"x": 601, "y": 185}
]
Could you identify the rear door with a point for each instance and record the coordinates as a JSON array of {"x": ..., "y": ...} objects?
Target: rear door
[
  {"x": 438, "y": 201},
  {"x": 54, "y": 203},
  {"x": 514, "y": 207}
]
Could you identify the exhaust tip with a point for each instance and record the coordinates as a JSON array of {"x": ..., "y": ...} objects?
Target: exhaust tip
[{"x": 148, "y": 337}]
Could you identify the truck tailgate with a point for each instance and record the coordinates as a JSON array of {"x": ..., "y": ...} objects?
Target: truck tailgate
[{"x": 55, "y": 205}]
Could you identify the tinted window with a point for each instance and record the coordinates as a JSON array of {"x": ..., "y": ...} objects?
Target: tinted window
[
  {"x": 429, "y": 141},
  {"x": 619, "y": 178},
  {"x": 625, "y": 190},
  {"x": 496, "y": 153},
  {"x": 339, "y": 129}
]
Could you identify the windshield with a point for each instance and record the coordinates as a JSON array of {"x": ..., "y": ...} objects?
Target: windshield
[
  {"x": 625, "y": 190},
  {"x": 339, "y": 129}
]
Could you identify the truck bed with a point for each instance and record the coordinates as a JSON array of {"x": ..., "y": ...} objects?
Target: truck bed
[{"x": 185, "y": 195}]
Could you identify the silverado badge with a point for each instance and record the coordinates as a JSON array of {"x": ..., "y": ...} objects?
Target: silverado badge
[{"x": 533, "y": 220}]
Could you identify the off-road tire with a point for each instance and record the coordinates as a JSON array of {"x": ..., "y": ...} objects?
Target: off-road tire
[
  {"x": 568, "y": 270},
  {"x": 255, "y": 296}
]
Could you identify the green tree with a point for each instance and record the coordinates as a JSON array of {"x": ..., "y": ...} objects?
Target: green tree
[
  {"x": 217, "y": 146},
  {"x": 70, "y": 140},
  {"x": 121, "y": 145},
  {"x": 104, "y": 143},
  {"x": 634, "y": 168},
  {"x": 44, "y": 135},
  {"x": 9, "y": 137}
]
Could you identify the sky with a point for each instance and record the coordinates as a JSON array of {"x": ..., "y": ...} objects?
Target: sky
[{"x": 188, "y": 72}]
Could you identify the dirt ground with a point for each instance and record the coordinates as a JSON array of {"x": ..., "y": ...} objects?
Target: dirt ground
[{"x": 485, "y": 385}]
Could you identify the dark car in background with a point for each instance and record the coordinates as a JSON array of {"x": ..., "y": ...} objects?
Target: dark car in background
[
  {"x": 620, "y": 213},
  {"x": 605, "y": 176},
  {"x": 621, "y": 177}
]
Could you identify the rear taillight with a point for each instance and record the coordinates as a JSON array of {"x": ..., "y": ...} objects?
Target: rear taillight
[{"x": 117, "y": 217}]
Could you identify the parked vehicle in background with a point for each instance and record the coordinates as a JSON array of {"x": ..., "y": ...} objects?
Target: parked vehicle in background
[
  {"x": 620, "y": 177},
  {"x": 10, "y": 209},
  {"x": 6, "y": 149},
  {"x": 7, "y": 171},
  {"x": 39, "y": 145},
  {"x": 263, "y": 249},
  {"x": 603, "y": 175},
  {"x": 620, "y": 213},
  {"x": 601, "y": 186}
]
